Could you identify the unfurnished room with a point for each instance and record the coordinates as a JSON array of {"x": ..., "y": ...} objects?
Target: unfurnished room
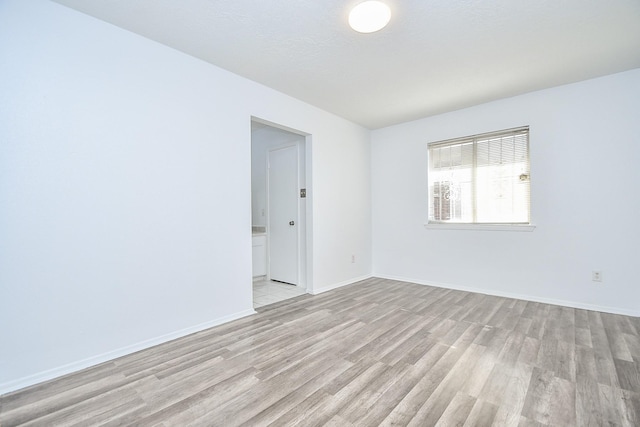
[{"x": 319, "y": 213}]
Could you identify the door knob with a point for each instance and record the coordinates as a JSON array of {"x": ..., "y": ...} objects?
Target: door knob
[{"x": 292, "y": 223}]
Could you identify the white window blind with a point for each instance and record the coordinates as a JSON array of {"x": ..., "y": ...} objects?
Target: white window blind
[{"x": 480, "y": 179}]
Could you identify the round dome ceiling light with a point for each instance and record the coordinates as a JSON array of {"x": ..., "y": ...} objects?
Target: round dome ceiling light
[{"x": 369, "y": 16}]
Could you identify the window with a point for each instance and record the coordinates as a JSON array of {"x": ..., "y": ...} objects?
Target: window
[{"x": 480, "y": 179}]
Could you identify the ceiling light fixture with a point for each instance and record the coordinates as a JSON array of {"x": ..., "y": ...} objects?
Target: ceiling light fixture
[{"x": 369, "y": 16}]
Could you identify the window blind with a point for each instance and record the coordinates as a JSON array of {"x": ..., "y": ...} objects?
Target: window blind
[{"x": 482, "y": 179}]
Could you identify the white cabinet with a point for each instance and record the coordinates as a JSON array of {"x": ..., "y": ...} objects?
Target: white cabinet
[{"x": 259, "y": 255}]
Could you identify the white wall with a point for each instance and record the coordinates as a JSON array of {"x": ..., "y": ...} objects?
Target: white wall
[
  {"x": 585, "y": 204},
  {"x": 125, "y": 191}
]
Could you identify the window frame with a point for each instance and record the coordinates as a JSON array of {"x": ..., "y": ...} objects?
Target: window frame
[{"x": 481, "y": 226}]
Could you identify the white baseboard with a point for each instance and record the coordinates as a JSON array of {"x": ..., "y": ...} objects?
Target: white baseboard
[
  {"x": 572, "y": 304},
  {"x": 317, "y": 291},
  {"x": 105, "y": 357}
]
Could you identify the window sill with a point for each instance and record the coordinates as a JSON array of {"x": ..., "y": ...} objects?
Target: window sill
[{"x": 481, "y": 227}]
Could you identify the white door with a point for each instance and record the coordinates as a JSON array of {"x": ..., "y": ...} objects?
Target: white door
[{"x": 283, "y": 214}]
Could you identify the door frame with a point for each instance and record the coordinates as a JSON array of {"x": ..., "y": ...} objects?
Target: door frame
[{"x": 305, "y": 206}]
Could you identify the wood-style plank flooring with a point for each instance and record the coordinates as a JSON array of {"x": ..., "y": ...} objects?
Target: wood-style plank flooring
[{"x": 378, "y": 352}]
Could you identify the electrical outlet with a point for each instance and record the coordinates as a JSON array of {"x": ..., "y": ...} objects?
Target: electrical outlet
[
  {"x": 596, "y": 276},
  {"x": 353, "y": 259}
]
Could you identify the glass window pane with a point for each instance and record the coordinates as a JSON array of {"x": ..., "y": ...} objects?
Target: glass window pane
[{"x": 481, "y": 179}]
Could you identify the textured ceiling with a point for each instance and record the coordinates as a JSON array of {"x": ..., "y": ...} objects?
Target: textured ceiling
[{"x": 435, "y": 55}]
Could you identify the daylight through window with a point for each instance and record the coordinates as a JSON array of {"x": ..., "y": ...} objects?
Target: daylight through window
[{"x": 480, "y": 179}]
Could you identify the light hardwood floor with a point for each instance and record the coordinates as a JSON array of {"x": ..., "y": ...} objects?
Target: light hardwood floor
[{"x": 378, "y": 352}]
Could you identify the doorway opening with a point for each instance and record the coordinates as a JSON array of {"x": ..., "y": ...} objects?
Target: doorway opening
[{"x": 280, "y": 212}]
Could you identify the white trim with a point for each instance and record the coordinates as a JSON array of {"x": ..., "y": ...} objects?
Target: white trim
[
  {"x": 308, "y": 204},
  {"x": 564, "y": 303},
  {"x": 278, "y": 126},
  {"x": 114, "y": 354},
  {"x": 338, "y": 285},
  {"x": 480, "y": 227}
]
